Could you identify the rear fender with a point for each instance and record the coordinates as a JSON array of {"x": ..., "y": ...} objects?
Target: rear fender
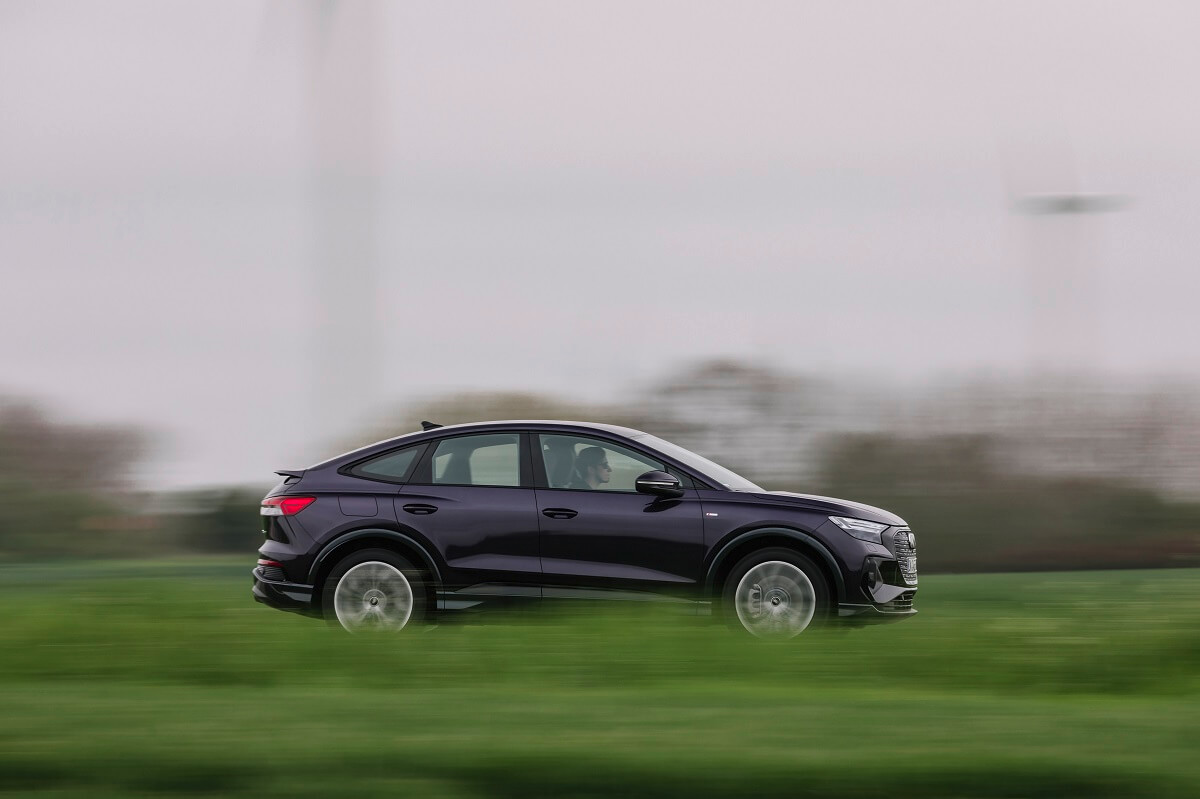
[{"x": 323, "y": 558}]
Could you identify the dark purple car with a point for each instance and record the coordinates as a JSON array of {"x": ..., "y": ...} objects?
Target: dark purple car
[{"x": 449, "y": 518}]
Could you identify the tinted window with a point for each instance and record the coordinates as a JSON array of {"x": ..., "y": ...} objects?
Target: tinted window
[
  {"x": 483, "y": 460},
  {"x": 592, "y": 464},
  {"x": 393, "y": 467}
]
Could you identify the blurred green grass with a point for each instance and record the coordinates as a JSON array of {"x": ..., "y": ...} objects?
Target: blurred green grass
[{"x": 164, "y": 678}]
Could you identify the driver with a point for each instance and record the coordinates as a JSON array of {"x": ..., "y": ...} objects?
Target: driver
[{"x": 591, "y": 469}]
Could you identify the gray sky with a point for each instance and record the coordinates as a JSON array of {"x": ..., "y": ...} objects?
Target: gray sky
[{"x": 823, "y": 186}]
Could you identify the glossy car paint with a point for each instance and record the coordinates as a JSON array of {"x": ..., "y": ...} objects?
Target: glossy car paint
[
  {"x": 481, "y": 533},
  {"x": 534, "y": 540}
]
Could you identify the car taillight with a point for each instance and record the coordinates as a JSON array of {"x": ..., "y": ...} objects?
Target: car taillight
[{"x": 285, "y": 506}]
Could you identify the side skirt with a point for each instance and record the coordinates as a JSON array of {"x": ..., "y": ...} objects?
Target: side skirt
[{"x": 481, "y": 595}]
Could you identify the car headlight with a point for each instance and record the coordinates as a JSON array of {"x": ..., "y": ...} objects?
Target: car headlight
[{"x": 860, "y": 528}]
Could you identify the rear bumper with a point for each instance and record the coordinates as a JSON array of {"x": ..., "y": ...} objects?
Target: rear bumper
[
  {"x": 869, "y": 614},
  {"x": 295, "y": 597}
]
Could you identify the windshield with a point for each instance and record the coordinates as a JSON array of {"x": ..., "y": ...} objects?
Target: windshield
[{"x": 715, "y": 472}]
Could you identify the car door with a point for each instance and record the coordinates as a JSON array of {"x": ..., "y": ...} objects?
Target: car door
[
  {"x": 472, "y": 497},
  {"x": 601, "y": 532}
]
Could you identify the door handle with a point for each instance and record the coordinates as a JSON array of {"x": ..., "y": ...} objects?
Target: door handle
[
  {"x": 560, "y": 513},
  {"x": 421, "y": 510}
]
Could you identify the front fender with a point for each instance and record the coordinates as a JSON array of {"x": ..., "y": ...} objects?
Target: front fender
[{"x": 810, "y": 542}]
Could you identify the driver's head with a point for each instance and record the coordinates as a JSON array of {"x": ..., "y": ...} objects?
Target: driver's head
[{"x": 592, "y": 464}]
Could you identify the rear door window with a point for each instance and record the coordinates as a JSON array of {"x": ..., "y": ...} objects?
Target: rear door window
[{"x": 491, "y": 459}]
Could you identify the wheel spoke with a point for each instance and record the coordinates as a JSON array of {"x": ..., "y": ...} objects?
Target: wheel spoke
[
  {"x": 775, "y": 599},
  {"x": 373, "y": 596},
  {"x": 774, "y": 571}
]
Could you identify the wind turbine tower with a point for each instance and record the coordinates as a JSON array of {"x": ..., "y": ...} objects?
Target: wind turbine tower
[
  {"x": 342, "y": 78},
  {"x": 1063, "y": 315}
]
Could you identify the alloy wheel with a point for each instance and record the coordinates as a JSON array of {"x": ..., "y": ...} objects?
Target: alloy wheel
[
  {"x": 373, "y": 596},
  {"x": 775, "y": 599}
]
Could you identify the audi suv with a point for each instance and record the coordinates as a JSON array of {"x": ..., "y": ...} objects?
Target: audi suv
[{"x": 404, "y": 531}]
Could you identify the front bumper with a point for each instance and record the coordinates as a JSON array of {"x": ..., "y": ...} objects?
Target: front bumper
[
  {"x": 888, "y": 582},
  {"x": 296, "y": 597},
  {"x": 849, "y": 613}
]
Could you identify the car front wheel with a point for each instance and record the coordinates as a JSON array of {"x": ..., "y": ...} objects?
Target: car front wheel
[
  {"x": 374, "y": 590},
  {"x": 775, "y": 594}
]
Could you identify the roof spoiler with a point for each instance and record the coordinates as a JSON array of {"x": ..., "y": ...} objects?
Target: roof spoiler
[
  {"x": 290, "y": 472},
  {"x": 430, "y": 425}
]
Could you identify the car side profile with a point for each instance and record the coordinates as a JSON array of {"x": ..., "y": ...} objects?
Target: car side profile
[{"x": 450, "y": 518}]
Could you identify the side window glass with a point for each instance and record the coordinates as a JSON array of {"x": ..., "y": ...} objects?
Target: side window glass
[
  {"x": 592, "y": 464},
  {"x": 482, "y": 460},
  {"x": 393, "y": 467}
]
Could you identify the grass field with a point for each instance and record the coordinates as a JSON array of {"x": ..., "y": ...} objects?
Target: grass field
[{"x": 164, "y": 678}]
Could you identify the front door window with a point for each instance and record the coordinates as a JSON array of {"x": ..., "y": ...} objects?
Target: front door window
[{"x": 592, "y": 464}]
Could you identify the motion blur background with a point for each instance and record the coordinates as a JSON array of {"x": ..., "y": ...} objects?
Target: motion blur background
[{"x": 935, "y": 256}]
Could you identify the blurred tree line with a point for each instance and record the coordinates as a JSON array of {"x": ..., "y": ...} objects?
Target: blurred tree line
[
  {"x": 66, "y": 492},
  {"x": 992, "y": 477},
  {"x": 63, "y": 489},
  {"x": 972, "y": 512}
]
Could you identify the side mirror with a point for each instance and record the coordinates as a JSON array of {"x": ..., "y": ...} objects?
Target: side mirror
[{"x": 660, "y": 484}]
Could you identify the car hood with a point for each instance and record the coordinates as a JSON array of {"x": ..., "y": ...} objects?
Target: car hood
[{"x": 833, "y": 506}]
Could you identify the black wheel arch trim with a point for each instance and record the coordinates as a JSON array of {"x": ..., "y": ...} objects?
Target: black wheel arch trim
[
  {"x": 375, "y": 532},
  {"x": 812, "y": 542}
]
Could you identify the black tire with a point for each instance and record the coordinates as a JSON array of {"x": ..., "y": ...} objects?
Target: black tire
[
  {"x": 377, "y": 578},
  {"x": 789, "y": 591}
]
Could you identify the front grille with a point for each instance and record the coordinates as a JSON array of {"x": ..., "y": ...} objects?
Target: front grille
[
  {"x": 903, "y": 554},
  {"x": 272, "y": 573},
  {"x": 900, "y": 604}
]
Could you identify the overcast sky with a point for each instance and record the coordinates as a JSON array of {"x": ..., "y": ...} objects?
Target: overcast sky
[{"x": 574, "y": 198}]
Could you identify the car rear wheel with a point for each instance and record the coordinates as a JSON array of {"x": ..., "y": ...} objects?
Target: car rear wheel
[
  {"x": 775, "y": 594},
  {"x": 374, "y": 590}
]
